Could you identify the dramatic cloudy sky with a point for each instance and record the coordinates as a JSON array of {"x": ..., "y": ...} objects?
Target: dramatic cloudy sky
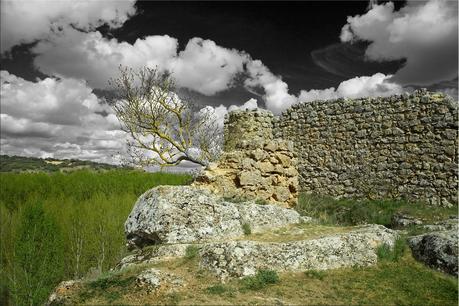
[{"x": 57, "y": 56}]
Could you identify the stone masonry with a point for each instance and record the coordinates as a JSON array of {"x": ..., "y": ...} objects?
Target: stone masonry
[
  {"x": 395, "y": 147},
  {"x": 399, "y": 147},
  {"x": 253, "y": 164}
]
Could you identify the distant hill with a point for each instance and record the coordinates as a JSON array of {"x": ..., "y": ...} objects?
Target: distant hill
[{"x": 33, "y": 164}]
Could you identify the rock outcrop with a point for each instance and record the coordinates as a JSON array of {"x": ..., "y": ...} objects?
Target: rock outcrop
[
  {"x": 60, "y": 294},
  {"x": 242, "y": 258},
  {"x": 438, "y": 250},
  {"x": 246, "y": 255},
  {"x": 152, "y": 279},
  {"x": 186, "y": 214},
  {"x": 400, "y": 220}
]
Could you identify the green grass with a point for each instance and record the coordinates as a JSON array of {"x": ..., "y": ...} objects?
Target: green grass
[
  {"x": 315, "y": 274},
  {"x": 260, "y": 280},
  {"x": 217, "y": 289},
  {"x": 388, "y": 253},
  {"x": 246, "y": 229},
  {"x": 390, "y": 282},
  {"x": 191, "y": 252},
  {"x": 109, "y": 280},
  {"x": 354, "y": 212},
  {"x": 89, "y": 208}
]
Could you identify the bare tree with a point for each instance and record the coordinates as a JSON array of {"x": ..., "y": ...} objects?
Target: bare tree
[{"x": 164, "y": 129}]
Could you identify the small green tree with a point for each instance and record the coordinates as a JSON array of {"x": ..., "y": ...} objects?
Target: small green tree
[{"x": 38, "y": 256}]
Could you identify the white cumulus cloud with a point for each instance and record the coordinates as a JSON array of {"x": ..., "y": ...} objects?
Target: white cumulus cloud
[
  {"x": 423, "y": 33},
  {"x": 25, "y": 21},
  {"x": 276, "y": 95},
  {"x": 202, "y": 66},
  {"x": 56, "y": 118},
  {"x": 221, "y": 110},
  {"x": 377, "y": 85}
]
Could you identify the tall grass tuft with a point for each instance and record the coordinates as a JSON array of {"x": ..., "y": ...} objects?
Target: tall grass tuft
[
  {"x": 260, "y": 280},
  {"x": 387, "y": 253}
]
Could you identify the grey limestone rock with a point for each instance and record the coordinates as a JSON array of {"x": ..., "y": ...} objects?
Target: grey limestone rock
[
  {"x": 242, "y": 258},
  {"x": 438, "y": 250},
  {"x": 402, "y": 220},
  {"x": 153, "y": 279},
  {"x": 186, "y": 214}
]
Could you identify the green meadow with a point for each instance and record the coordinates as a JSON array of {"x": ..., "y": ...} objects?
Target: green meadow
[{"x": 60, "y": 226}]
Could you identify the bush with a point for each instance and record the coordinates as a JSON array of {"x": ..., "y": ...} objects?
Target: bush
[
  {"x": 262, "y": 279},
  {"x": 109, "y": 280},
  {"x": 388, "y": 253},
  {"x": 191, "y": 252},
  {"x": 216, "y": 289},
  {"x": 246, "y": 229}
]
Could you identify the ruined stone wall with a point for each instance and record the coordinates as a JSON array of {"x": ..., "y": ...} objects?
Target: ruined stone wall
[
  {"x": 241, "y": 125},
  {"x": 397, "y": 147},
  {"x": 253, "y": 165}
]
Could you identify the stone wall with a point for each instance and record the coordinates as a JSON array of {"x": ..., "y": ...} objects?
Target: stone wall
[
  {"x": 253, "y": 165},
  {"x": 247, "y": 126},
  {"x": 396, "y": 147}
]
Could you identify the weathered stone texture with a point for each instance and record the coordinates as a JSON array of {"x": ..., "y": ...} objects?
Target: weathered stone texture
[
  {"x": 253, "y": 165},
  {"x": 247, "y": 126},
  {"x": 396, "y": 147},
  {"x": 185, "y": 214},
  {"x": 242, "y": 258},
  {"x": 438, "y": 250}
]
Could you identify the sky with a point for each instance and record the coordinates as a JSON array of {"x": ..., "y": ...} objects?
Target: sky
[{"x": 57, "y": 58}]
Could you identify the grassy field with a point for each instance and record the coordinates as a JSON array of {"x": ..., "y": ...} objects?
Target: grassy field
[
  {"x": 395, "y": 280},
  {"x": 351, "y": 212},
  {"x": 69, "y": 226},
  {"x": 65, "y": 226}
]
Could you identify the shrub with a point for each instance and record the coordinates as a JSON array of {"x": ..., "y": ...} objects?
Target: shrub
[
  {"x": 191, "y": 252},
  {"x": 387, "y": 253},
  {"x": 262, "y": 279},
  {"x": 216, "y": 289},
  {"x": 246, "y": 229}
]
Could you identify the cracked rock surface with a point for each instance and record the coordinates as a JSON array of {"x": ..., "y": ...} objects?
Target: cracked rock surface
[
  {"x": 242, "y": 258},
  {"x": 186, "y": 214}
]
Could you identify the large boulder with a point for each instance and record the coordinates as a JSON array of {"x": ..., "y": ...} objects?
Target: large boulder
[
  {"x": 186, "y": 214},
  {"x": 438, "y": 250}
]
